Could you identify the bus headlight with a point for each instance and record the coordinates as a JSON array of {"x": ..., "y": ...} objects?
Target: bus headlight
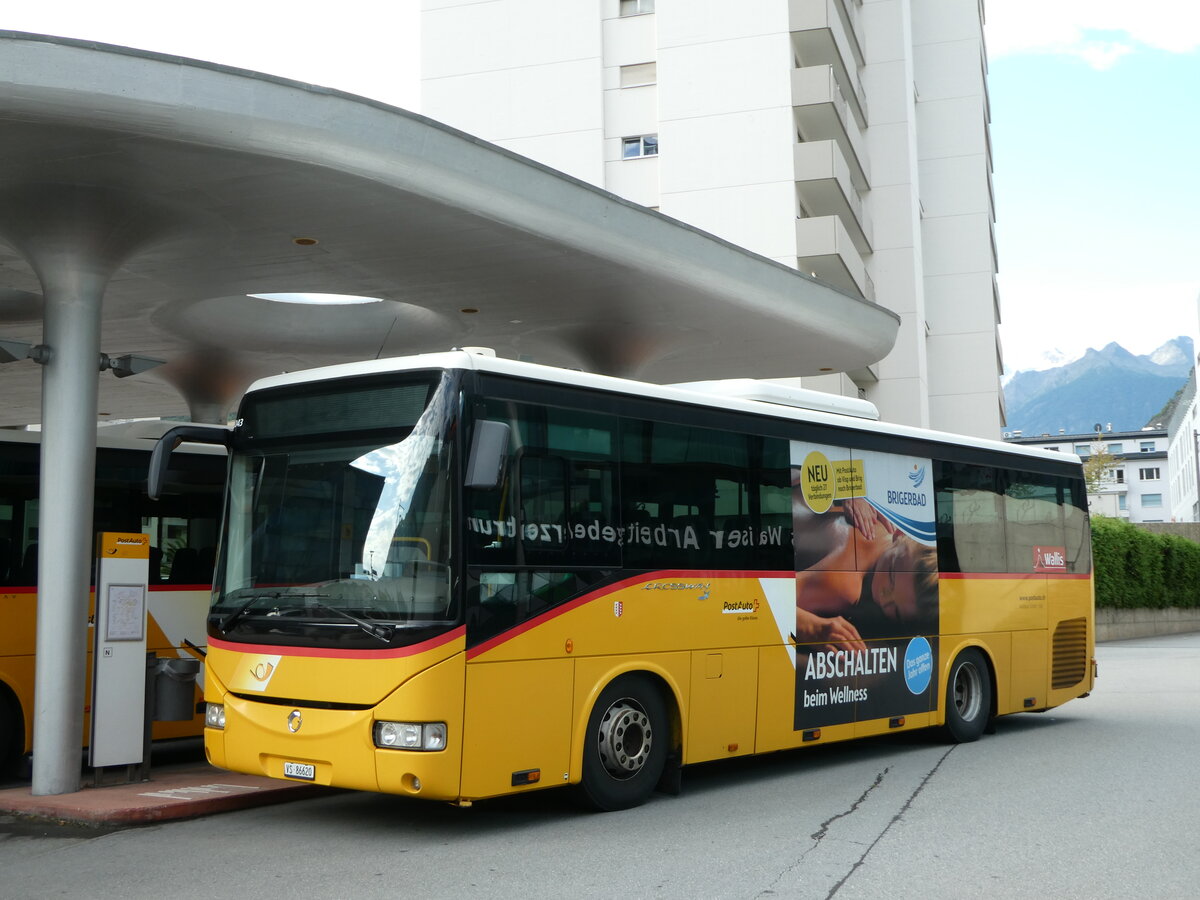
[
  {"x": 214, "y": 715},
  {"x": 410, "y": 735}
]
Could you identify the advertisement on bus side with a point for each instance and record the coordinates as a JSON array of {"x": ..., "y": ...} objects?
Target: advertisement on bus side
[{"x": 867, "y": 612}]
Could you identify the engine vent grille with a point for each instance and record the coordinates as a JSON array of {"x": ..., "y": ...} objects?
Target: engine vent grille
[{"x": 1070, "y": 653}]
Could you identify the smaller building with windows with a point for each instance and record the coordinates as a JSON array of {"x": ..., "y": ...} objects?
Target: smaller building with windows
[{"x": 1137, "y": 486}]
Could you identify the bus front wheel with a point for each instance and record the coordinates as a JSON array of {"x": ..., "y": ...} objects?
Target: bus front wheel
[
  {"x": 626, "y": 744},
  {"x": 968, "y": 697}
]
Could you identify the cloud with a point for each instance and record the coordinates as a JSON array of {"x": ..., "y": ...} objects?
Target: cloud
[
  {"x": 1048, "y": 318},
  {"x": 1099, "y": 32}
]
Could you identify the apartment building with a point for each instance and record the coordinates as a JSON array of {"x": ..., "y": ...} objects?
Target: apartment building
[
  {"x": 1137, "y": 487},
  {"x": 1183, "y": 455},
  {"x": 845, "y": 138}
]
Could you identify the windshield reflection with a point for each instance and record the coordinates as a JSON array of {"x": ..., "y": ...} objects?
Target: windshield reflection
[{"x": 400, "y": 466}]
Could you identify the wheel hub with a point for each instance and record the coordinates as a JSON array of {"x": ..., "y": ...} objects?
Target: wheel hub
[{"x": 625, "y": 739}]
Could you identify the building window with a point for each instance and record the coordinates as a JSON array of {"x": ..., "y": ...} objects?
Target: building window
[
  {"x": 1148, "y": 474},
  {"x": 1116, "y": 449},
  {"x": 642, "y": 145},
  {"x": 1151, "y": 501},
  {"x": 1146, "y": 446},
  {"x": 1119, "y": 474},
  {"x": 1083, "y": 450},
  {"x": 636, "y": 7},
  {"x": 1122, "y": 503},
  {"x": 639, "y": 75}
]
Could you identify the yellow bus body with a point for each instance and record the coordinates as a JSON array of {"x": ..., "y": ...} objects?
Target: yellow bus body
[{"x": 521, "y": 703}]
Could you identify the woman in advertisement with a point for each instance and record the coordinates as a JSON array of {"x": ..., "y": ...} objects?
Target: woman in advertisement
[{"x": 859, "y": 576}]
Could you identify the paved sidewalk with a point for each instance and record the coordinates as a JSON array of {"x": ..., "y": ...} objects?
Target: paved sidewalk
[{"x": 175, "y": 792}]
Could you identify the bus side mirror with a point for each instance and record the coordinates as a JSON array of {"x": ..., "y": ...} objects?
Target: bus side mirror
[
  {"x": 489, "y": 449},
  {"x": 196, "y": 434}
]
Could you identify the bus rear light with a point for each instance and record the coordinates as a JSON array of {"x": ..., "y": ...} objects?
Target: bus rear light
[
  {"x": 214, "y": 715},
  {"x": 430, "y": 736}
]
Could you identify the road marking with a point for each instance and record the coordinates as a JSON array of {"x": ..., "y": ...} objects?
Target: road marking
[{"x": 187, "y": 793}]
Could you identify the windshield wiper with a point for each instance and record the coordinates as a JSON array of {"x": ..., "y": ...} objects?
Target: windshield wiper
[
  {"x": 374, "y": 629},
  {"x": 232, "y": 617},
  {"x": 268, "y": 595}
]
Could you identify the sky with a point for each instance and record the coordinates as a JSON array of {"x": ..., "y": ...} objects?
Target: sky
[
  {"x": 1095, "y": 136},
  {"x": 1095, "y": 108}
]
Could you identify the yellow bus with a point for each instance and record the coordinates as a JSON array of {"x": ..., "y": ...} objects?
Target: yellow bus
[
  {"x": 458, "y": 577},
  {"x": 183, "y": 535}
]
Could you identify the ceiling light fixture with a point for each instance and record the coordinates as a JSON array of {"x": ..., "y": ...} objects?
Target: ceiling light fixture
[{"x": 309, "y": 299}]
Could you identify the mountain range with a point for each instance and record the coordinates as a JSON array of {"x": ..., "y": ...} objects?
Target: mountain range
[{"x": 1106, "y": 387}]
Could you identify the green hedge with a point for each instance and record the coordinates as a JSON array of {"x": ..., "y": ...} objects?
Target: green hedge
[{"x": 1136, "y": 569}]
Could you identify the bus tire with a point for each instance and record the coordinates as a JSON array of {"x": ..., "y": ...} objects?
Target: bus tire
[
  {"x": 968, "y": 697},
  {"x": 626, "y": 744},
  {"x": 12, "y": 732}
]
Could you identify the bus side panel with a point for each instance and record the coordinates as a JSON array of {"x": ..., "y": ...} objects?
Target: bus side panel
[
  {"x": 1027, "y": 676},
  {"x": 974, "y": 604},
  {"x": 722, "y": 719},
  {"x": 519, "y": 716},
  {"x": 1006, "y": 614},
  {"x": 776, "y": 700}
]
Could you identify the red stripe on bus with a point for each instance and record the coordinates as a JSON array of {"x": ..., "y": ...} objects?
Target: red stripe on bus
[
  {"x": 323, "y": 653},
  {"x": 1012, "y": 576}
]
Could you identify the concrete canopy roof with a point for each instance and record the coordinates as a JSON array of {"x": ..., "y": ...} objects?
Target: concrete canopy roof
[{"x": 192, "y": 185}]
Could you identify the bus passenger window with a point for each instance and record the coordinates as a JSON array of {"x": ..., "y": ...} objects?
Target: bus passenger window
[
  {"x": 970, "y": 519},
  {"x": 1033, "y": 521}
]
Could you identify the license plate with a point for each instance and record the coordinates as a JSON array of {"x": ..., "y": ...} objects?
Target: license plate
[{"x": 299, "y": 770}]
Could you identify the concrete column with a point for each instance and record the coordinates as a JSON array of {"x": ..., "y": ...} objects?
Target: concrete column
[
  {"x": 73, "y": 298},
  {"x": 74, "y": 237}
]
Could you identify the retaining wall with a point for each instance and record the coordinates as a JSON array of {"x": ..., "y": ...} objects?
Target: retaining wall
[{"x": 1123, "y": 624}]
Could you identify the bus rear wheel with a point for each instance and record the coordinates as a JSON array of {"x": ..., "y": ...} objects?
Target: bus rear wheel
[
  {"x": 626, "y": 744},
  {"x": 968, "y": 697}
]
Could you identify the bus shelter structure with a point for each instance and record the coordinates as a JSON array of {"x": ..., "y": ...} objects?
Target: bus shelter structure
[{"x": 147, "y": 202}]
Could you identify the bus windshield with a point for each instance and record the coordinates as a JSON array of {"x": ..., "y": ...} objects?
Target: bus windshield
[{"x": 337, "y": 529}]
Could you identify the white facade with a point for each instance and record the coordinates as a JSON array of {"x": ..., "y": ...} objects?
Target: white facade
[
  {"x": 1183, "y": 456},
  {"x": 1137, "y": 487},
  {"x": 1184, "y": 431},
  {"x": 846, "y": 138}
]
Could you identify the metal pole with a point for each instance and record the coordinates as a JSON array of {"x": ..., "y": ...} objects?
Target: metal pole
[{"x": 68, "y": 464}]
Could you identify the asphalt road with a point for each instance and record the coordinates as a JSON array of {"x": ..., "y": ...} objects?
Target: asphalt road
[{"x": 1099, "y": 798}]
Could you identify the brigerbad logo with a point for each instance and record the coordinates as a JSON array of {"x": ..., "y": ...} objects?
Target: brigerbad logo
[{"x": 912, "y": 497}]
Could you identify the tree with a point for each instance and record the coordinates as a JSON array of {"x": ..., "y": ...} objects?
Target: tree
[{"x": 1096, "y": 467}]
